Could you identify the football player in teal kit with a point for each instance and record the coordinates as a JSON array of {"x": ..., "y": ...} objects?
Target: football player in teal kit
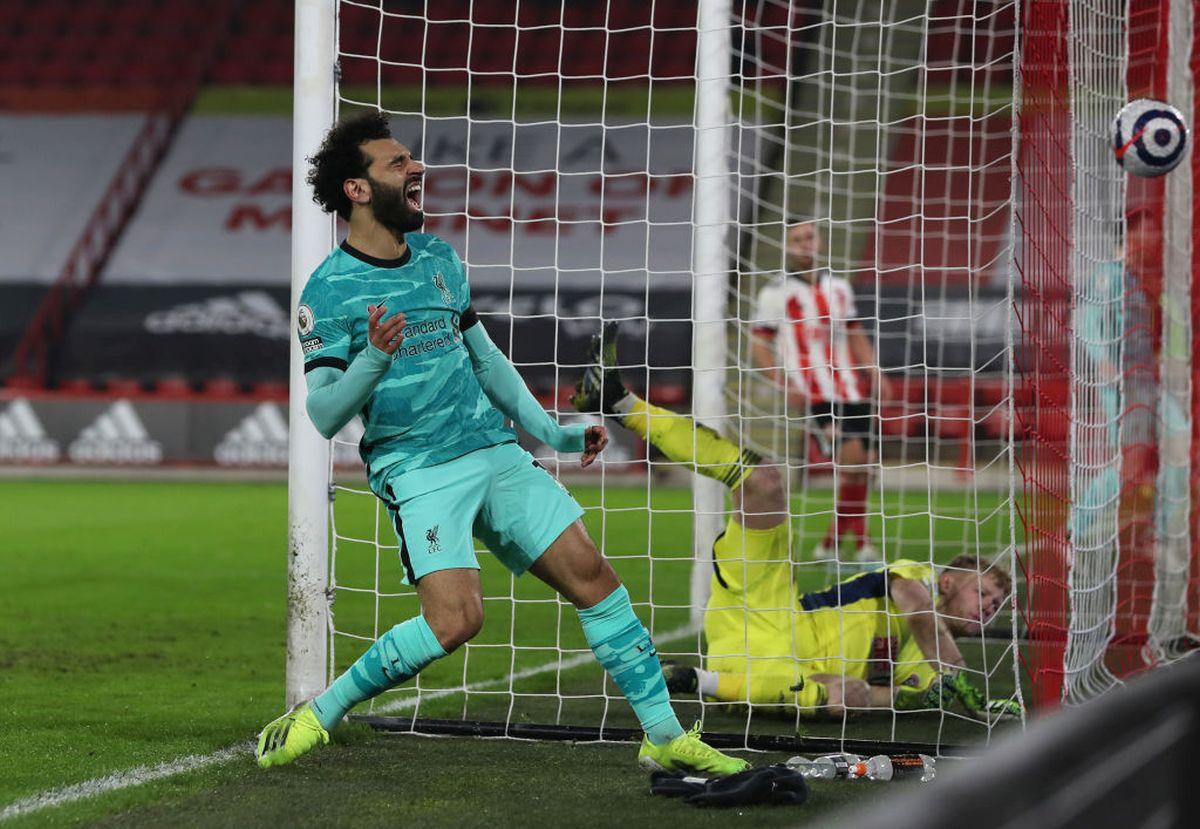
[{"x": 387, "y": 332}]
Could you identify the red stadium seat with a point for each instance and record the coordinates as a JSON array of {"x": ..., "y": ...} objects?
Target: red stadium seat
[
  {"x": 175, "y": 386},
  {"x": 43, "y": 19},
  {"x": 583, "y": 54},
  {"x": 221, "y": 387},
  {"x": 276, "y": 72},
  {"x": 77, "y": 385},
  {"x": 537, "y": 52},
  {"x": 123, "y": 386}
]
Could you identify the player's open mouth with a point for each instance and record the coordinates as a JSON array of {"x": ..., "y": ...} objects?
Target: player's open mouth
[{"x": 413, "y": 193}]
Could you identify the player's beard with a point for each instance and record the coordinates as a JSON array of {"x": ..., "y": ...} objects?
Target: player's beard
[{"x": 391, "y": 209}]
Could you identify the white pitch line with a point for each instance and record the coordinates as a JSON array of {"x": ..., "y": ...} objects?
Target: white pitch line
[
  {"x": 120, "y": 780},
  {"x": 146, "y": 774},
  {"x": 557, "y": 665}
]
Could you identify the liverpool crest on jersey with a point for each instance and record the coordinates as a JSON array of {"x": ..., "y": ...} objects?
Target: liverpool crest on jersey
[{"x": 440, "y": 282}]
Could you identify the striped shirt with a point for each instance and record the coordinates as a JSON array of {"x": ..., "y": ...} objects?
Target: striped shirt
[{"x": 811, "y": 324}]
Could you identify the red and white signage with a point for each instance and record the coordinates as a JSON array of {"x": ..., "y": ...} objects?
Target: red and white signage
[{"x": 537, "y": 204}]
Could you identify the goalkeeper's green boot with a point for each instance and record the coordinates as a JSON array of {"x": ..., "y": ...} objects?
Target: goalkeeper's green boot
[
  {"x": 296, "y": 732},
  {"x": 600, "y": 387},
  {"x": 688, "y": 753}
]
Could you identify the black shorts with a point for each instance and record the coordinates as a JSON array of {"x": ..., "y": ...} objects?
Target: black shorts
[{"x": 851, "y": 421}]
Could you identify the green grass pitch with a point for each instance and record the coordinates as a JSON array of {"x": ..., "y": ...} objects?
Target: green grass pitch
[{"x": 143, "y": 622}]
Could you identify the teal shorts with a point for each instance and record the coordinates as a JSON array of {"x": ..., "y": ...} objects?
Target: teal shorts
[{"x": 499, "y": 494}]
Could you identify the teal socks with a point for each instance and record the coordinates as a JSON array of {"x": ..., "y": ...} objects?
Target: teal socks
[
  {"x": 622, "y": 645},
  {"x": 397, "y": 656}
]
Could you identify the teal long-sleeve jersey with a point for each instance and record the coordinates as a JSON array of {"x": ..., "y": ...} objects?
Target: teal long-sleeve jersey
[{"x": 428, "y": 407}]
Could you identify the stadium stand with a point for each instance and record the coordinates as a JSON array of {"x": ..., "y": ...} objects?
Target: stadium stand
[{"x": 188, "y": 294}]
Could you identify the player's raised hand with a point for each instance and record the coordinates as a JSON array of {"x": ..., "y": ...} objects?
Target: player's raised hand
[
  {"x": 595, "y": 438},
  {"x": 386, "y": 334}
]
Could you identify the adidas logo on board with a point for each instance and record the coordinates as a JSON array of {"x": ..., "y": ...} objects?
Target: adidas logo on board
[
  {"x": 247, "y": 312},
  {"x": 260, "y": 439},
  {"x": 116, "y": 436},
  {"x": 22, "y": 437}
]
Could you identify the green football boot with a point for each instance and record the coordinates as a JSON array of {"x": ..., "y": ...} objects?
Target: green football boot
[
  {"x": 688, "y": 753},
  {"x": 296, "y": 732},
  {"x": 600, "y": 387}
]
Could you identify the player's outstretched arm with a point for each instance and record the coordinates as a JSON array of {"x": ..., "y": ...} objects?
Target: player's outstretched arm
[
  {"x": 913, "y": 599},
  {"x": 335, "y": 396},
  {"x": 504, "y": 387}
]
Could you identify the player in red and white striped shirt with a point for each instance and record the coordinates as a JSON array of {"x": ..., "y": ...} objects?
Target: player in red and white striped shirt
[{"x": 809, "y": 336}]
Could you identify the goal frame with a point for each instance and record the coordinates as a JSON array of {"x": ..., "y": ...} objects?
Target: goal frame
[
  {"x": 309, "y": 660},
  {"x": 309, "y": 454}
]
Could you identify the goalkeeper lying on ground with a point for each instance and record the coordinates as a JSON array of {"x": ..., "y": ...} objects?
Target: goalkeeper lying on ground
[{"x": 872, "y": 641}]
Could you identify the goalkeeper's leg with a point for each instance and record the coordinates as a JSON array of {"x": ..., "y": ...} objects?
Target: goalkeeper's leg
[
  {"x": 758, "y": 488},
  {"x": 452, "y": 613},
  {"x": 814, "y": 694}
]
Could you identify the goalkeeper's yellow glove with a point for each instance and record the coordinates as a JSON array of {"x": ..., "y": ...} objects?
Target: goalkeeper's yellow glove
[
  {"x": 952, "y": 686},
  {"x": 1001, "y": 708}
]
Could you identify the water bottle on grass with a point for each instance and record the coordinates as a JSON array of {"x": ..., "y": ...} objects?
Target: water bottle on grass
[
  {"x": 896, "y": 767},
  {"x": 827, "y": 767}
]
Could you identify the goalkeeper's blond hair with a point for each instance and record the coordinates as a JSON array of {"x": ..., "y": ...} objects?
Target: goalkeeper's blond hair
[{"x": 984, "y": 567}]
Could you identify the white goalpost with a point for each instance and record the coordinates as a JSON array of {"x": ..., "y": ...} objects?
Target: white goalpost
[
  {"x": 308, "y": 453},
  {"x": 674, "y": 179},
  {"x": 711, "y": 261},
  {"x": 642, "y": 162}
]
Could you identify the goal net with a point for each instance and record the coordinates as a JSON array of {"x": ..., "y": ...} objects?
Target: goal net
[
  {"x": 649, "y": 163},
  {"x": 1105, "y": 402}
]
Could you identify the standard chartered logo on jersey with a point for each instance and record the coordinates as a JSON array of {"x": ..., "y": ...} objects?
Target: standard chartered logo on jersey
[{"x": 429, "y": 335}]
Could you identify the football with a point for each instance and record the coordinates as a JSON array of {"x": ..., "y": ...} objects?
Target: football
[{"x": 1149, "y": 137}]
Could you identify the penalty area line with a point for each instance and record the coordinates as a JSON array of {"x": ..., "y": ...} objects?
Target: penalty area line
[{"x": 135, "y": 776}]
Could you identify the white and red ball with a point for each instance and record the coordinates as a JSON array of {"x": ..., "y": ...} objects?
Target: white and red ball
[{"x": 1149, "y": 137}]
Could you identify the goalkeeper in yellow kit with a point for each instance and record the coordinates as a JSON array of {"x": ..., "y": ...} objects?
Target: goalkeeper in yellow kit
[{"x": 872, "y": 641}]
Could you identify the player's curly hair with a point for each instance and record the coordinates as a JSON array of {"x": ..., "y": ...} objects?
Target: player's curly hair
[{"x": 340, "y": 157}]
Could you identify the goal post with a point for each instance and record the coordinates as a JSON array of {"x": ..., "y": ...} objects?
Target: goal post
[
  {"x": 308, "y": 453},
  {"x": 643, "y": 163},
  {"x": 710, "y": 269}
]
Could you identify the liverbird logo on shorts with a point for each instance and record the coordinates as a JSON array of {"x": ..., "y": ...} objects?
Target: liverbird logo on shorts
[{"x": 431, "y": 537}]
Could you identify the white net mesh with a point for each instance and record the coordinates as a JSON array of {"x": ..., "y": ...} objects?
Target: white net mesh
[
  {"x": 1169, "y": 628},
  {"x": 888, "y": 128},
  {"x": 559, "y": 142},
  {"x": 1109, "y": 552},
  {"x": 1097, "y": 91}
]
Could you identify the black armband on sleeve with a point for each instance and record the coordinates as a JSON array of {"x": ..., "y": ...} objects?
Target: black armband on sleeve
[
  {"x": 320, "y": 362},
  {"x": 468, "y": 318}
]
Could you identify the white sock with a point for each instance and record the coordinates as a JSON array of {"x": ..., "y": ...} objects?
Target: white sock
[
  {"x": 625, "y": 404},
  {"x": 708, "y": 682}
]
